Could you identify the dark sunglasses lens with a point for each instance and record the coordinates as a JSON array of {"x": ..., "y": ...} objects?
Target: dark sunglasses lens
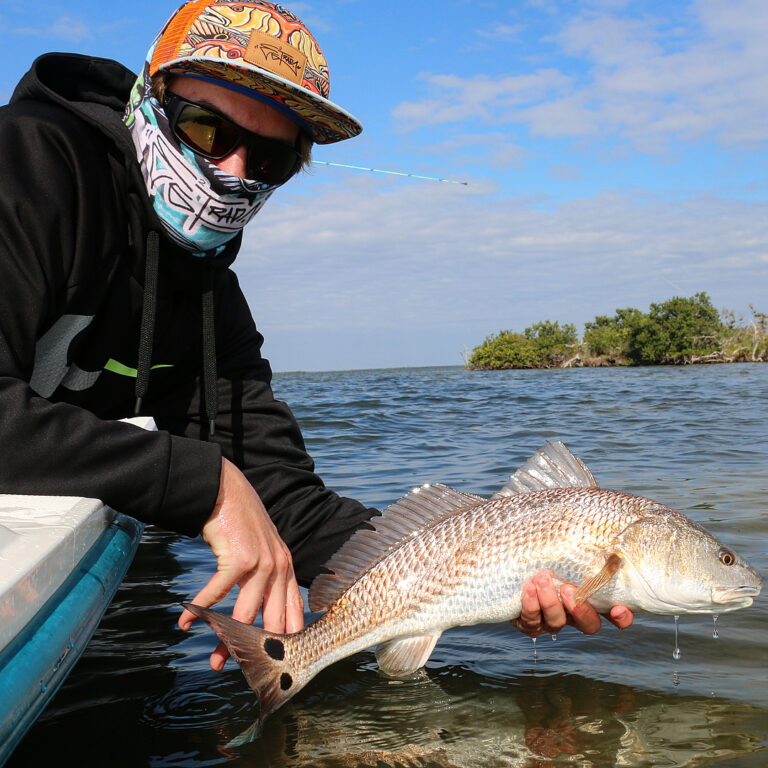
[
  {"x": 271, "y": 161},
  {"x": 206, "y": 132}
]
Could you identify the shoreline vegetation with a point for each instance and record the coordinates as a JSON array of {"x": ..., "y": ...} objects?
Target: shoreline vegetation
[{"x": 680, "y": 331}]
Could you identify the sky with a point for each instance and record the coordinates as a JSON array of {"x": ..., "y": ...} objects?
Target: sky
[{"x": 615, "y": 154}]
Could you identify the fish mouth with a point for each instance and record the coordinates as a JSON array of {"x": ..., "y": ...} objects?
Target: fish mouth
[{"x": 730, "y": 595}]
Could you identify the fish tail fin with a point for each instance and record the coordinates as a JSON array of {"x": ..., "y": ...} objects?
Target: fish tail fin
[{"x": 262, "y": 657}]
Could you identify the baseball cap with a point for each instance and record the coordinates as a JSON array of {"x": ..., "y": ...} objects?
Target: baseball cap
[{"x": 262, "y": 49}]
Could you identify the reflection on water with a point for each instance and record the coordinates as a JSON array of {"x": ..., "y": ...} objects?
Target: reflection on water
[
  {"x": 694, "y": 438},
  {"x": 457, "y": 719}
]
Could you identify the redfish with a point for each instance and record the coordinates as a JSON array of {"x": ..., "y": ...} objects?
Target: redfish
[{"x": 440, "y": 558}]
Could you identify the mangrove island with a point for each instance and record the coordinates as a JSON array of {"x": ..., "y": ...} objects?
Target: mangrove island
[{"x": 675, "y": 332}]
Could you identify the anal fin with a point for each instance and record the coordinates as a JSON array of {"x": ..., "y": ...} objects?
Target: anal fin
[
  {"x": 406, "y": 654},
  {"x": 599, "y": 580}
]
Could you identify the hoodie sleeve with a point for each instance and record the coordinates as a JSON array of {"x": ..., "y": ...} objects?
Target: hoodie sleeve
[
  {"x": 52, "y": 173},
  {"x": 260, "y": 435}
]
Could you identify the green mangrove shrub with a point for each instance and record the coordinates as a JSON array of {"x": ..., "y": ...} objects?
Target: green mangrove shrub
[{"x": 679, "y": 330}]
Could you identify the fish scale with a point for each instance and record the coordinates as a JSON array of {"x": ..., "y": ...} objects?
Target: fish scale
[
  {"x": 456, "y": 582},
  {"x": 440, "y": 558}
]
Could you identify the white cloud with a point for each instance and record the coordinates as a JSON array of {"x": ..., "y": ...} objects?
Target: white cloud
[
  {"x": 566, "y": 172},
  {"x": 479, "y": 98},
  {"x": 67, "y": 28},
  {"x": 645, "y": 81},
  {"x": 497, "y": 148},
  {"x": 547, "y": 6},
  {"x": 314, "y": 19},
  {"x": 428, "y": 256},
  {"x": 507, "y": 32}
]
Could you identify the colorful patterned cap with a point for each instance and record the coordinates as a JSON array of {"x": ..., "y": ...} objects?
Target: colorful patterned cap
[{"x": 259, "y": 48}]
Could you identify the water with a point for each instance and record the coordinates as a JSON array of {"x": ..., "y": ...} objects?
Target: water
[{"x": 693, "y": 437}]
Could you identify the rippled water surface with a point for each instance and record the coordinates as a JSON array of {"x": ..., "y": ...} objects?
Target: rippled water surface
[{"x": 695, "y": 438}]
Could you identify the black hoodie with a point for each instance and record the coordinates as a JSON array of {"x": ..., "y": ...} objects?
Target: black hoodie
[{"x": 75, "y": 222}]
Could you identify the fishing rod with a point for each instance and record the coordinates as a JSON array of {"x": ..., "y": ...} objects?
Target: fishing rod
[{"x": 393, "y": 173}]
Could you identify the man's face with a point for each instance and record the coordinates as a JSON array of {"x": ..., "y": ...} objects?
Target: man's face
[{"x": 248, "y": 113}]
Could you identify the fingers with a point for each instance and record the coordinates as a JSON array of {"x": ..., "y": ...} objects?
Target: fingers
[
  {"x": 253, "y": 587},
  {"x": 542, "y": 610},
  {"x": 583, "y": 616},
  {"x": 529, "y": 621},
  {"x": 216, "y": 589},
  {"x": 294, "y": 606},
  {"x": 621, "y": 616},
  {"x": 273, "y": 609},
  {"x": 553, "y": 613},
  {"x": 283, "y": 609},
  {"x": 219, "y": 657},
  {"x": 251, "y": 555}
]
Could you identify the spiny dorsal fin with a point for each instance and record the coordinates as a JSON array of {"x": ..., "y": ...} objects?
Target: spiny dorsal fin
[
  {"x": 552, "y": 466},
  {"x": 418, "y": 510}
]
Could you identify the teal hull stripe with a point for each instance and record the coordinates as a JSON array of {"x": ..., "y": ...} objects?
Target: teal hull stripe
[{"x": 36, "y": 663}]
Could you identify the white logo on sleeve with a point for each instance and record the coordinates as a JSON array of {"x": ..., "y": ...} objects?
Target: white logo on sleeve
[{"x": 51, "y": 369}]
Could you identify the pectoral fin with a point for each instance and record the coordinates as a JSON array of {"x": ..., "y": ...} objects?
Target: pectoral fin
[
  {"x": 599, "y": 580},
  {"x": 405, "y": 655}
]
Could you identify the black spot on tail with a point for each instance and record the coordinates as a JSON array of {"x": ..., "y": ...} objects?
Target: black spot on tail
[
  {"x": 286, "y": 681},
  {"x": 275, "y": 649}
]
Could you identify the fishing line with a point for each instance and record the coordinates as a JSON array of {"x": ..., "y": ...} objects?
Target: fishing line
[{"x": 393, "y": 173}]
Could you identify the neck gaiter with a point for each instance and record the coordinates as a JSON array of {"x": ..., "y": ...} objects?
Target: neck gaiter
[{"x": 200, "y": 206}]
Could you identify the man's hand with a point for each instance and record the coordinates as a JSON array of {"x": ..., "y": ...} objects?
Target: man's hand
[
  {"x": 544, "y": 613},
  {"x": 251, "y": 554}
]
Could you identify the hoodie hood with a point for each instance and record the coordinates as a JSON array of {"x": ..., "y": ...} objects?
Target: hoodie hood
[{"x": 97, "y": 91}]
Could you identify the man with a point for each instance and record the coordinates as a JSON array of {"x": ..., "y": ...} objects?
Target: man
[{"x": 117, "y": 229}]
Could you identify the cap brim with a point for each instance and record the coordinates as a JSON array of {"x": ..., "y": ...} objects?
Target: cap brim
[{"x": 325, "y": 121}]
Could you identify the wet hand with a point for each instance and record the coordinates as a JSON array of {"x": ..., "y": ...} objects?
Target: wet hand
[
  {"x": 250, "y": 554},
  {"x": 544, "y": 612}
]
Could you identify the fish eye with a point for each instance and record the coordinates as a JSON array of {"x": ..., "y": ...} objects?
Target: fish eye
[{"x": 726, "y": 557}]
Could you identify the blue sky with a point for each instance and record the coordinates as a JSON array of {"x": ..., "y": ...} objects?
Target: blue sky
[{"x": 615, "y": 154}]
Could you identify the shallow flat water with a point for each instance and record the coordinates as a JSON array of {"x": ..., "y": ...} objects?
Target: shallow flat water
[{"x": 695, "y": 438}]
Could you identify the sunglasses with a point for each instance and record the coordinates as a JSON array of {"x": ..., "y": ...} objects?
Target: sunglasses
[{"x": 212, "y": 135}]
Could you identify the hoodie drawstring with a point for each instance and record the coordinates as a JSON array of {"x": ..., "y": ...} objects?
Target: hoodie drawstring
[
  {"x": 209, "y": 357},
  {"x": 147, "y": 333},
  {"x": 149, "y": 310}
]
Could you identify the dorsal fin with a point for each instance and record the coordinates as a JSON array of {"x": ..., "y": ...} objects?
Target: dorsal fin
[
  {"x": 419, "y": 509},
  {"x": 552, "y": 466}
]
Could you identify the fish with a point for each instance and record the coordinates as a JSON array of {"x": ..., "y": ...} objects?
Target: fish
[{"x": 440, "y": 558}]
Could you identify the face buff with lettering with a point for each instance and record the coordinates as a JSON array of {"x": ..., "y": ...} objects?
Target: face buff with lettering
[{"x": 200, "y": 206}]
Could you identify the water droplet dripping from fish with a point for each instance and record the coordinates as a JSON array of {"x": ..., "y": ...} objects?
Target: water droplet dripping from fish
[
  {"x": 715, "y": 633},
  {"x": 535, "y": 652},
  {"x": 676, "y": 653}
]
